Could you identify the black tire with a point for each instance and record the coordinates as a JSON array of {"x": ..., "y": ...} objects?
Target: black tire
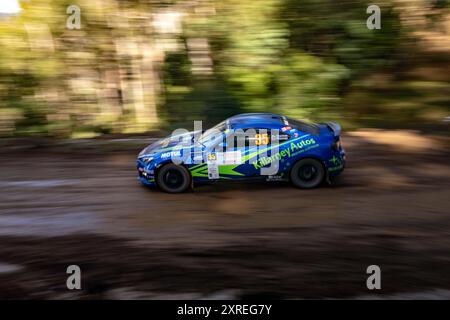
[
  {"x": 307, "y": 173},
  {"x": 173, "y": 179}
]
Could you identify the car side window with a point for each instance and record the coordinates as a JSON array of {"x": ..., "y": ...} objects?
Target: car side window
[
  {"x": 259, "y": 137},
  {"x": 236, "y": 140},
  {"x": 268, "y": 137}
]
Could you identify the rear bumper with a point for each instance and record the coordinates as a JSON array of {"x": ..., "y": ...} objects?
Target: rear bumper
[{"x": 337, "y": 163}]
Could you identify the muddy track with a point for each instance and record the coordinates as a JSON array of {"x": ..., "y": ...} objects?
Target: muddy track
[{"x": 60, "y": 207}]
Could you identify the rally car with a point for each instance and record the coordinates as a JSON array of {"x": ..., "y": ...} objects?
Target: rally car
[{"x": 246, "y": 146}]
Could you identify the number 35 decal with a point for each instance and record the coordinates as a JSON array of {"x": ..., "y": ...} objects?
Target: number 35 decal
[{"x": 261, "y": 139}]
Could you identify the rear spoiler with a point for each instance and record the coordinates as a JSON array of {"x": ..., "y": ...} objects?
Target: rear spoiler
[{"x": 335, "y": 127}]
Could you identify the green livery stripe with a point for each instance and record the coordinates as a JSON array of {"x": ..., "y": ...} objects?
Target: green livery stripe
[
  {"x": 199, "y": 170},
  {"x": 229, "y": 169},
  {"x": 196, "y": 166},
  {"x": 254, "y": 154},
  {"x": 202, "y": 170}
]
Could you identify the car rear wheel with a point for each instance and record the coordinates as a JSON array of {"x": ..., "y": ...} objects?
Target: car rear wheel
[
  {"x": 307, "y": 173},
  {"x": 173, "y": 179}
]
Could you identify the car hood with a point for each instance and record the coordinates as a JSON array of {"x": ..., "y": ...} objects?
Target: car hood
[{"x": 166, "y": 144}]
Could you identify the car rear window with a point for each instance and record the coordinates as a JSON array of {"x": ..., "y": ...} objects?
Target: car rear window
[{"x": 304, "y": 126}]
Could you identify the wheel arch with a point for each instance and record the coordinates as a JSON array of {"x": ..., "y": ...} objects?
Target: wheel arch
[
  {"x": 166, "y": 162},
  {"x": 321, "y": 161}
]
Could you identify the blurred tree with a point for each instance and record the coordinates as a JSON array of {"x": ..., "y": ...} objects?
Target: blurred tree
[
  {"x": 96, "y": 79},
  {"x": 137, "y": 65}
]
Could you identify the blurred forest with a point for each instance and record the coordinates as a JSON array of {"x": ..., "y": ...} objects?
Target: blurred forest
[{"x": 142, "y": 65}]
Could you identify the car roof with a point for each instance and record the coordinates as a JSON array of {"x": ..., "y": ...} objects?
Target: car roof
[{"x": 255, "y": 120}]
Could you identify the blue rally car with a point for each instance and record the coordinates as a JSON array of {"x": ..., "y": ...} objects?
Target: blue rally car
[{"x": 247, "y": 146}]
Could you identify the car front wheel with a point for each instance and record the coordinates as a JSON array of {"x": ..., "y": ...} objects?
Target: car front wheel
[
  {"x": 173, "y": 179},
  {"x": 307, "y": 173}
]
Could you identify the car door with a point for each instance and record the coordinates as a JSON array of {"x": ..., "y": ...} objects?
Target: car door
[
  {"x": 226, "y": 159},
  {"x": 249, "y": 144},
  {"x": 245, "y": 154},
  {"x": 266, "y": 153}
]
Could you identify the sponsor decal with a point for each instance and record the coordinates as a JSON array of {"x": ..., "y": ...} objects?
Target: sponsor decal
[
  {"x": 279, "y": 137},
  {"x": 222, "y": 159},
  {"x": 335, "y": 168},
  {"x": 171, "y": 154},
  {"x": 294, "y": 149},
  {"x": 337, "y": 164},
  {"x": 335, "y": 161},
  {"x": 213, "y": 168},
  {"x": 198, "y": 159},
  {"x": 275, "y": 178}
]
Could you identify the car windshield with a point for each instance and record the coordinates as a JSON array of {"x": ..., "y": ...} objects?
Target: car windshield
[{"x": 213, "y": 133}]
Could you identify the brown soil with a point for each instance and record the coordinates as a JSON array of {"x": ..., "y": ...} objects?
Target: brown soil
[{"x": 389, "y": 208}]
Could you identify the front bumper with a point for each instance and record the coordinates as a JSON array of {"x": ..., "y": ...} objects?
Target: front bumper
[{"x": 146, "y": 174}]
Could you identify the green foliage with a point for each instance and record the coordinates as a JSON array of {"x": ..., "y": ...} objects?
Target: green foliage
[{"x": 311, "y": 59}]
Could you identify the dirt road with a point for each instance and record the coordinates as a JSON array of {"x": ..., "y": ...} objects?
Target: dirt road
[{"x": 62, "y": 206}]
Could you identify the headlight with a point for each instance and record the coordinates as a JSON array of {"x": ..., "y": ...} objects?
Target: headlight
[{"x": 147, "y": 159}]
